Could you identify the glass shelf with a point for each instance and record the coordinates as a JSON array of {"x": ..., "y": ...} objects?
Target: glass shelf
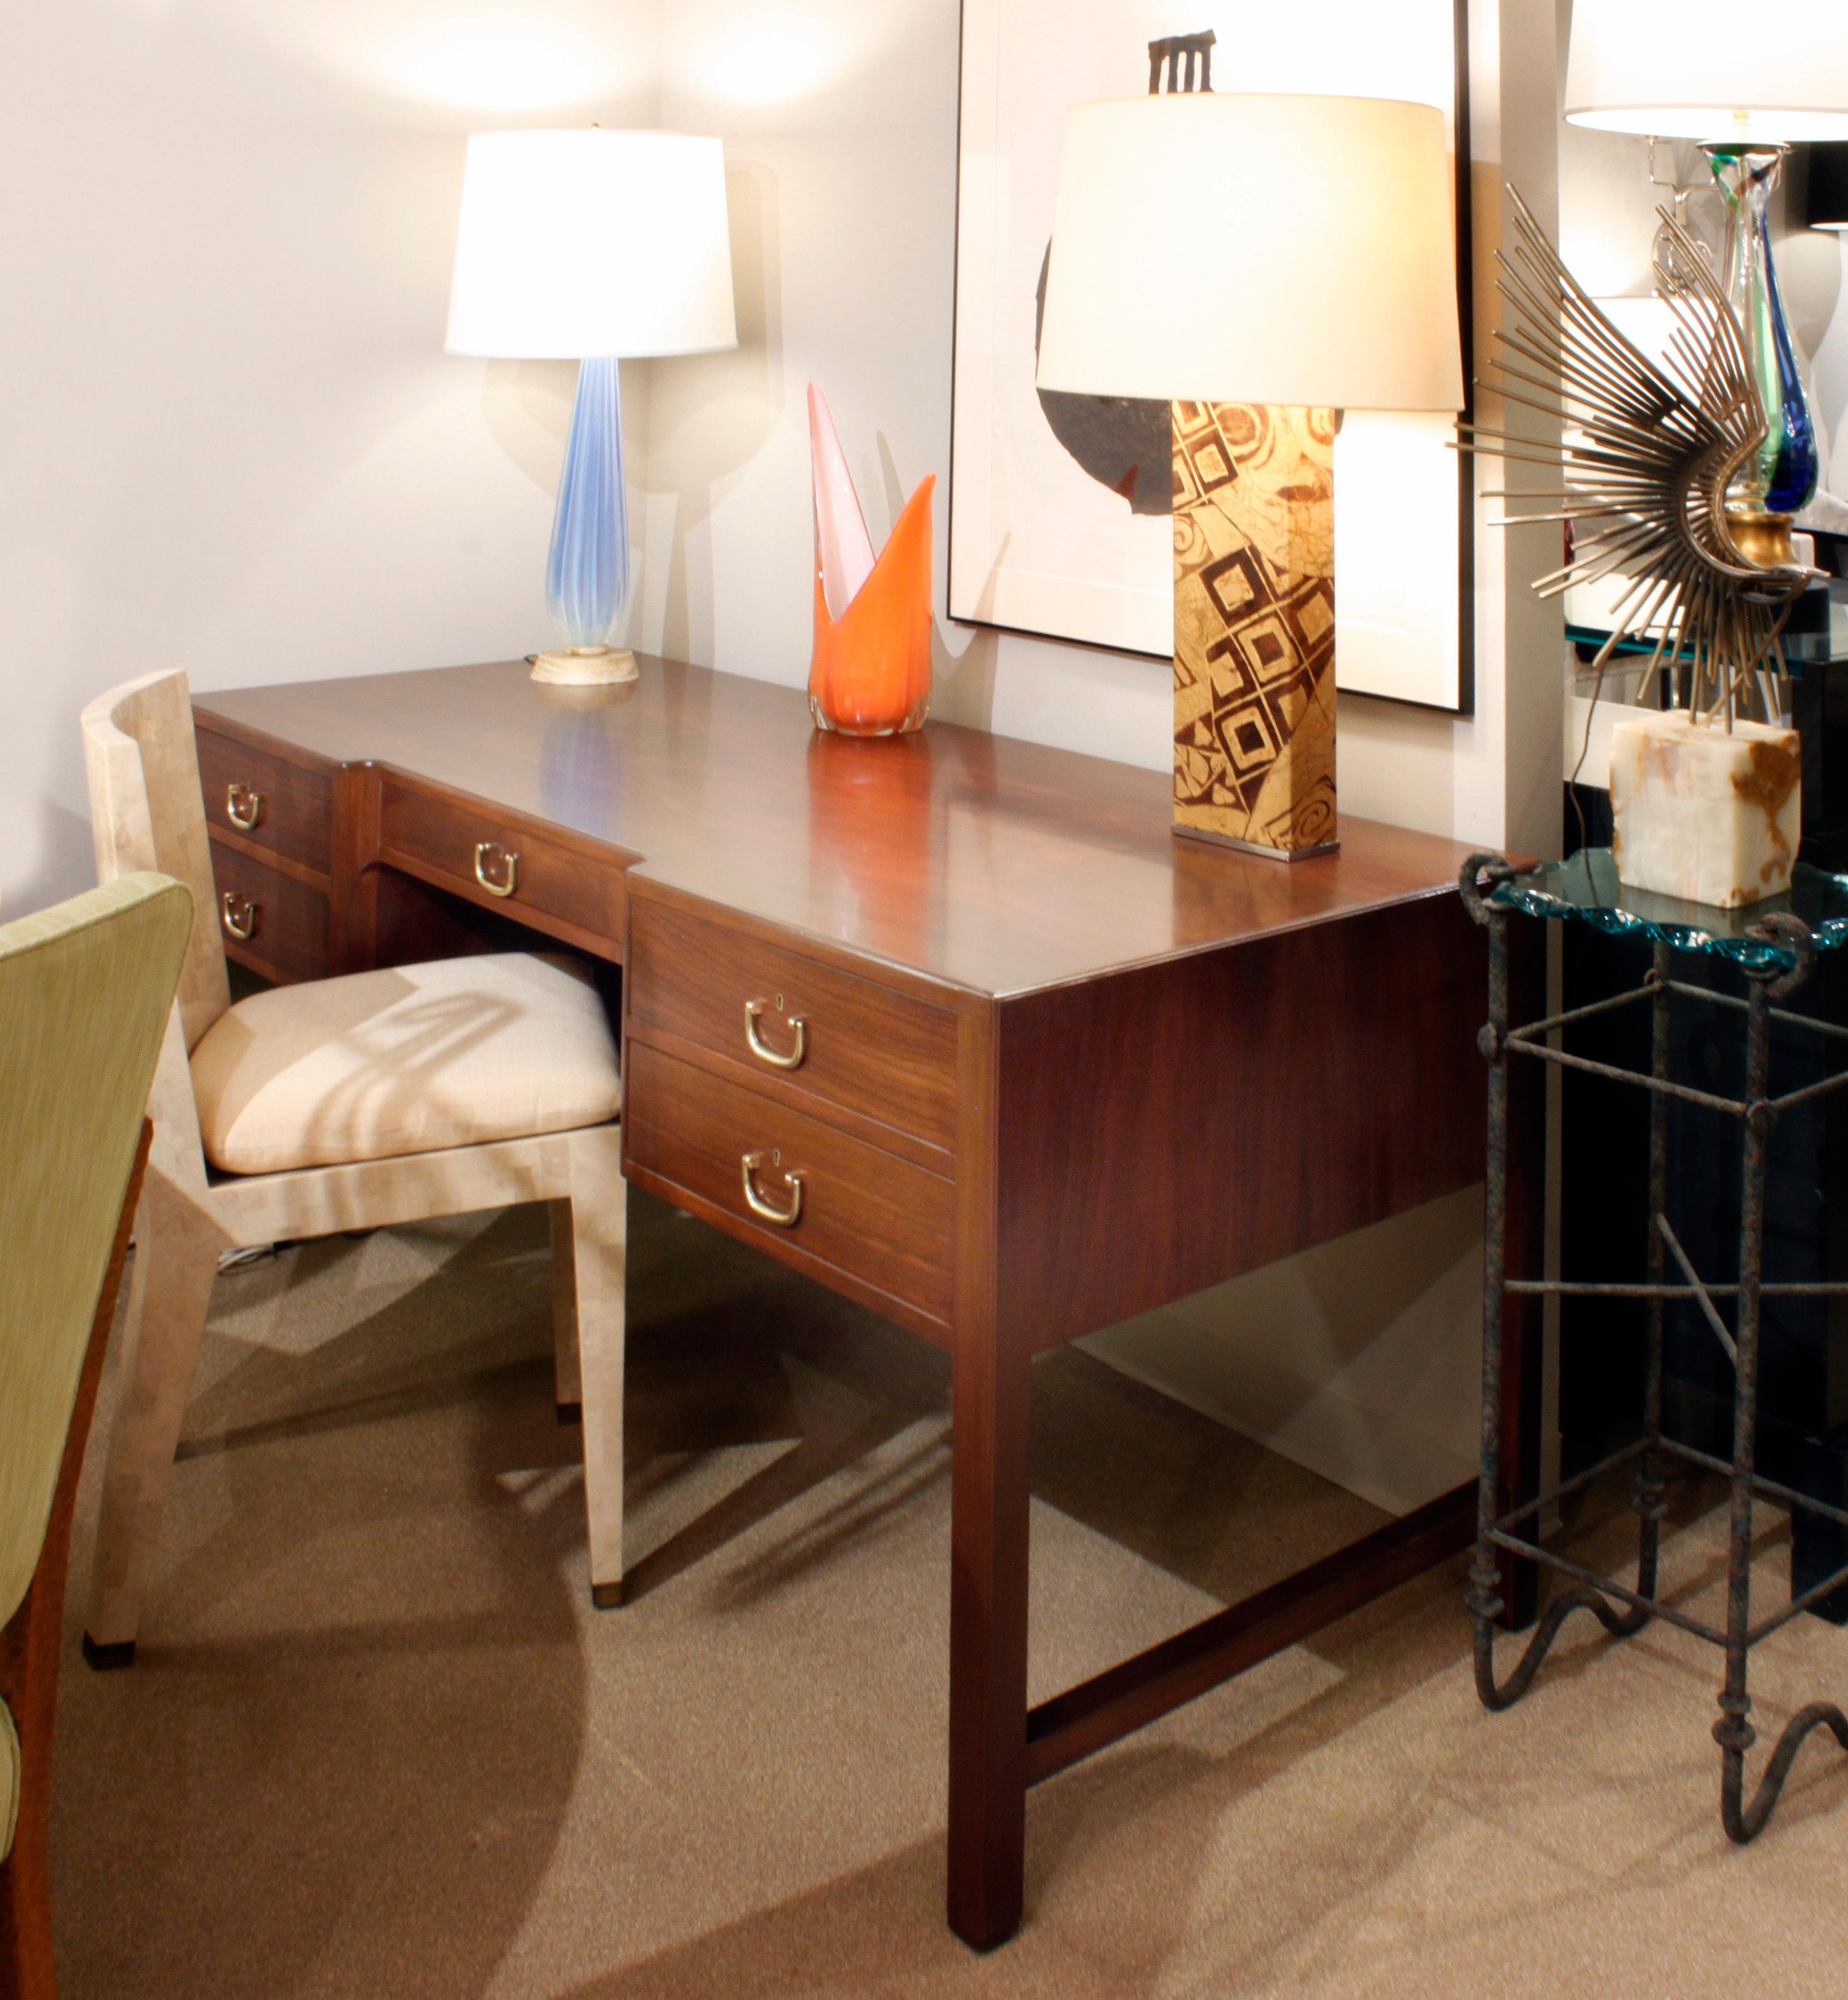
[{"x": 1586, "y": 889}]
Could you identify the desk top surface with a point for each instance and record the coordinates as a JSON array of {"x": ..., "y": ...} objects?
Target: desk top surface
[{"x": 996, "y": 864}]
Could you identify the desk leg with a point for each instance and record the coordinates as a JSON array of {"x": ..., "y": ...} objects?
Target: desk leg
[{"x": 989, "y": 1488}]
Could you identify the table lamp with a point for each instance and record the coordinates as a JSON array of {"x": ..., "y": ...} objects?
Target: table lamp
[
  {"x": 1259, "y": 262},
  {"x": 1747, "y": 87},
  {"x": 592, "y": 246}
]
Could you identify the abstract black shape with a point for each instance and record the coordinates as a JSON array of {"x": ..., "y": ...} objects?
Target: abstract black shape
[{"x": 1125, "y": 442}]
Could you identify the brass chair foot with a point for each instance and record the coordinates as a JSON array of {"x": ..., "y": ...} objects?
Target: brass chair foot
[
  {"x": 570, "y": 1413},
  {"x": 606, "y": 1596}
]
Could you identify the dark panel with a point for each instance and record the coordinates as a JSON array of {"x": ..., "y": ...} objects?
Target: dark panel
[{"x": 1166, "y": 1129}]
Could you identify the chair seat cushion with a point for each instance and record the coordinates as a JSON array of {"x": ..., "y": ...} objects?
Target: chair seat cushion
[{"x": 378, "y": 1065}]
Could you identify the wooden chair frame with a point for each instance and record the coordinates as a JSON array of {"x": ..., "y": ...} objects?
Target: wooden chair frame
[{"x": 30, "y": 1647}]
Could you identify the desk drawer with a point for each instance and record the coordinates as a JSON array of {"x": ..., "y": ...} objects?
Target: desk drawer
[
  {"x": 286, "y": 921},
  {"x": 267, "y": 801},
  {"x": 523, "y": 871},
  {"x": 861, "y": 1047},
  {"x": 863, "y": 1213}
]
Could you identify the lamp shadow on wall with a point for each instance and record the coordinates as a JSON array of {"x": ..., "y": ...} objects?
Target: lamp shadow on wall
[
  {"x": 527, "y": 408},
  {"x": 709, "y": 415},
  {"x": 962, "y": 683}
]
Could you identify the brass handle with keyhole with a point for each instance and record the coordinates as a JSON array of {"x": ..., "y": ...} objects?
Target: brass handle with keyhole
[
  {"x": 243, "y": 807},
  {"x": 798, "y": 1029},
  {"x": 504, "y": 858},
  {"x": 784, "y": 1218},
  {"x": 239, "y": 915}
]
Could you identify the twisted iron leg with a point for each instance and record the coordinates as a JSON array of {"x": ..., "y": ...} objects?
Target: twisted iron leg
[
  {"x": 1484, "y": 1599},
  {"x": 1734, "y": 1732},
  {"x": 1646, "y": 1499}
]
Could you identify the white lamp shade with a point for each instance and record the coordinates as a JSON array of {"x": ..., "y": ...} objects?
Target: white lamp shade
[
  {"x": 1710, "y": 69},
  {"x": 585, "y": 243},
  {"x": 1227, "y": 248}
]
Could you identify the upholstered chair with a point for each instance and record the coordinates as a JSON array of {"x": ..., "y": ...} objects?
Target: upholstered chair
[
  {"x": 85, "y": 991},
  {"x": 349, "y": 1103}
]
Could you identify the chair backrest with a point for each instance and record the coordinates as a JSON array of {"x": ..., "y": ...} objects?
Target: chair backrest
[
  {"x": 147, "y": 812},
  {"x": 86, "y": 991}
]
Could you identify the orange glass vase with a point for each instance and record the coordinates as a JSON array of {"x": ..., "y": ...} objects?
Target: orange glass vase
[
  {"x": 870, "y": 675},
  {"x": 871, "y": 672}
]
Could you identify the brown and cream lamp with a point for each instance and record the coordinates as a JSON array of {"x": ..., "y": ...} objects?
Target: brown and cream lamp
[{"x": 1263, "y": 263}]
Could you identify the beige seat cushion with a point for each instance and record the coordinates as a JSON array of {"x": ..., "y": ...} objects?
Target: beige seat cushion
[{"x": 409, "y": 1061}]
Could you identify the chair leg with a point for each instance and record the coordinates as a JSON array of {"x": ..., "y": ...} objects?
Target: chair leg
[
  {"x": 599, "y": 1207},
  {"x": 28, "y": 1961},
  {"x": 569, "y": 1374},
  {"x": 176, "y": 1259}
]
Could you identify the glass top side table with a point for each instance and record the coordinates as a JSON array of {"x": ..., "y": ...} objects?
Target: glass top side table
[
  {"x": 1586, "y": 889},
  {"x": 1774, "y": 943}
]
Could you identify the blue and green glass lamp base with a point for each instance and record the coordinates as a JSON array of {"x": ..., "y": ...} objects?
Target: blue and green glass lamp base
[
  {"x": 587, "y": 572},
  {"x": 1780, "y": 479}
]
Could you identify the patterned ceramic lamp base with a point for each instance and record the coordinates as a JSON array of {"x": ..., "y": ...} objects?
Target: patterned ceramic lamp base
[{"x": 1254, "y": 627}]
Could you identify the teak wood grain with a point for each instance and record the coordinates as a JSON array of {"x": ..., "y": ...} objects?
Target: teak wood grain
[
  {"x": 865, "y": 1048},
  {"x": 556, "y": 886},
  {"x": 290, "y": 937},
  {"x": 1063, "y": 1067},
  {"x": 294, "y": 802},
  {"x": 1331, "y": 1099},
  {"x": 864, "y": 1213},
  {"x": 976, "y": 860}
]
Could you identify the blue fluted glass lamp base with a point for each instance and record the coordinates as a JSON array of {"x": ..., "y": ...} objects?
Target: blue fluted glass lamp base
[{"x": 587, "y": 572}]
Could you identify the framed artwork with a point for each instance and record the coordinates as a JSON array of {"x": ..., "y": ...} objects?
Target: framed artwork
[{"x": 1061, "y": 505}]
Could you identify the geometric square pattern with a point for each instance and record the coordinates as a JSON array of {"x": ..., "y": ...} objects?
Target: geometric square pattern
[{"x": 1254, "y": 622}]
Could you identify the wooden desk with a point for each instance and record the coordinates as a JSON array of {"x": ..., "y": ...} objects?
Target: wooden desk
[{"x": 1055, "y": 1067}]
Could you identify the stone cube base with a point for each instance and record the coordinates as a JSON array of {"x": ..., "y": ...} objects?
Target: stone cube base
[{"x": 1703, "y": 814}]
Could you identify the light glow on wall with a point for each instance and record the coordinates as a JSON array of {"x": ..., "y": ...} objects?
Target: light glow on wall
[
  {"x": 761, "y": 55},
  {"x": 512, "y": 62},
  {"x": 492, "y": 56}
]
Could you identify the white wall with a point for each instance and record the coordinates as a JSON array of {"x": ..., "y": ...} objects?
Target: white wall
[{"x": 230, "y": 440}]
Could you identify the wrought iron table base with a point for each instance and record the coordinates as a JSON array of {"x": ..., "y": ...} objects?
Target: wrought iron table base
[{"x": 1787, "y": 959}]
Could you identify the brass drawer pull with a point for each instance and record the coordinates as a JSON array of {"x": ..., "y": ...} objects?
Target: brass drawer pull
[
  {"x": 243, "y": 807},
  {"x": 239, "y": 915},
  {"x": 487, "y": 851},
  {"x": 784, "y": 1218},
  {"x": 754, "y": 1012}
]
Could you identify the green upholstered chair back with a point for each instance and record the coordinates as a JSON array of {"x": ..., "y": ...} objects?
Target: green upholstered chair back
[
  {"x": 86, "y": 991},
  {"x": 147, "y": 811}
]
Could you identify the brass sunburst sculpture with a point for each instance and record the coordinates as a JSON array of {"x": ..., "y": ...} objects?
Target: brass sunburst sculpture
[{"x": 1650, "y": 450}]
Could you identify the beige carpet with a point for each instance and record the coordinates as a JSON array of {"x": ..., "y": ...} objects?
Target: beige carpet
[{"x": 377, "y": 1743}]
